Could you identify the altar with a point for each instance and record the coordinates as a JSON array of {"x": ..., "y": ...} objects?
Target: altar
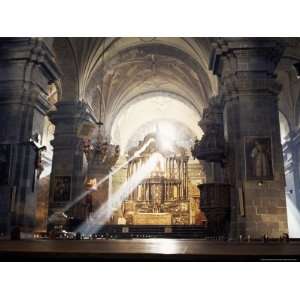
[
  {"x": 162, "y": 197},
  {"x": 152, "y": 219}
]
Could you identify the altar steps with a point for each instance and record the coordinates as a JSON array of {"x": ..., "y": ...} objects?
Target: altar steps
[{"x": 153, "y": 231}]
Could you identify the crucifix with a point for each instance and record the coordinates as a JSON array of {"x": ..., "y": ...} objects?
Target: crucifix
[{"x": 39, "y": 149}]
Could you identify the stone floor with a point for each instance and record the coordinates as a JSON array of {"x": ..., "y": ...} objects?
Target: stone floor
[{"x": 148, "y": 250}]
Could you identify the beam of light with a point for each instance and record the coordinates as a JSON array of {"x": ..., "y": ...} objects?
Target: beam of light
[
  {"x": 165, "y": 133},
  {"x": 92, "y": 189},
  {"x": 293, "y": 217},
  {"x": 99, "y": 217}
]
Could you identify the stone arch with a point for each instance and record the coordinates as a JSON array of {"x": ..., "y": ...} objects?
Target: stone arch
[
  {"x": 126, "y": 74},
  {"x": 66, "y": 60},
  {"x": 297, "y": 112}
]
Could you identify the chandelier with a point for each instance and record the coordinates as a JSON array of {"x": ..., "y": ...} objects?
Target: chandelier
[{"x": 99, "y": 151}]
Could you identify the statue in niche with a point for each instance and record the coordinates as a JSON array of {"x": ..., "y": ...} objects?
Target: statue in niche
[{"x": 258, "y": 158}]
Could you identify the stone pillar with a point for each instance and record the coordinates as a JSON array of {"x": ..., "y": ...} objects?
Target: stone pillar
[
  {"x": 291, "y": 152},
  {"x": 27, "y": 68},
  {"x": 245, "y": 68},
  {"x": 69, "y": 166}
]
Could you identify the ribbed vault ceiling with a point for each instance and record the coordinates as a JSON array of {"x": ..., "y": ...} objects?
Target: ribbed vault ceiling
[
  {"x": 111, "y": 72},
  {"x": 116, "y": 71}
]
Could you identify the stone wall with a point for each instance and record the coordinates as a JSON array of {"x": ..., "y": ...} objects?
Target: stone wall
[{"x": 245, "y": 68}]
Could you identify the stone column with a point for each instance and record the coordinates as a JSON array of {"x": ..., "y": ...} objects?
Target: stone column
[
  {"x": 27, "y": 67},
  {"x": 291, "y": 151},
  {"x": 69, "y": 166},
  {"x": 245, "y": 68}
]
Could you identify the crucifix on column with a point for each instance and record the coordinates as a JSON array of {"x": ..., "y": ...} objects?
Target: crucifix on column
[{"x": 38, "y": 148}]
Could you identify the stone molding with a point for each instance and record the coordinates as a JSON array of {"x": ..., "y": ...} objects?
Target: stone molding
[
  {"x": 246, "y": 66},
  {"x": 28, "y": 67}
]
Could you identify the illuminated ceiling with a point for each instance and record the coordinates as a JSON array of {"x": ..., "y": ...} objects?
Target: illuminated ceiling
[
  {"x": 111, "y": 72},
  {"x": 163, "y": 110},
  {"x": 131, "y": 83}
]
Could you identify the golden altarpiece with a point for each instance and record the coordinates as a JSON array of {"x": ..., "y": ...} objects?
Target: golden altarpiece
[{"x": 165, "y": 196}]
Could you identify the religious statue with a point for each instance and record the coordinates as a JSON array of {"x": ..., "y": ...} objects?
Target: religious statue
[
  {"x": 259, "y": 162},
  {"x": 39, "y": 149}
]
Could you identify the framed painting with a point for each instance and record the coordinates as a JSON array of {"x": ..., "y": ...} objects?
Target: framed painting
[
  {"x": 62, "y": 189},
  {"x": 258, "y": 154}
]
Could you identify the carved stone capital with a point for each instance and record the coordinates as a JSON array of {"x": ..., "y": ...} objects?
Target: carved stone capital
[
  {"x": 69, "y": 118},
  {"x": 247, "y": 65},
  {"x": 27, "y": 68},
  {"x": 30, "y": 50},
  {"x": 246, "y": 84}
]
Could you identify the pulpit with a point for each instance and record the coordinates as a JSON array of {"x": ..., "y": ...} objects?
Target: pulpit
[{"x": 215, "y": 203}]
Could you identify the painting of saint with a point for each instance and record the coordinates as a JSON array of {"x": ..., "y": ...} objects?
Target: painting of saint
[
  {"x": 62, "y": 189},
  {"x": 258, "y": 158}
]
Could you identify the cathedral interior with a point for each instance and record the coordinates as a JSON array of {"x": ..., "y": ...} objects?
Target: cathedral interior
[{"x": 196, "y": 134}]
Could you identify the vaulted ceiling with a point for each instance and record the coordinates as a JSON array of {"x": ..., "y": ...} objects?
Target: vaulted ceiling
[{"x": 108, "y": 73}]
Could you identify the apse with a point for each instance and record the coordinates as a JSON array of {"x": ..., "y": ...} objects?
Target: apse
[
  {"x": 165, "y": 113},
  {"x": 168, "y": 194}
]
